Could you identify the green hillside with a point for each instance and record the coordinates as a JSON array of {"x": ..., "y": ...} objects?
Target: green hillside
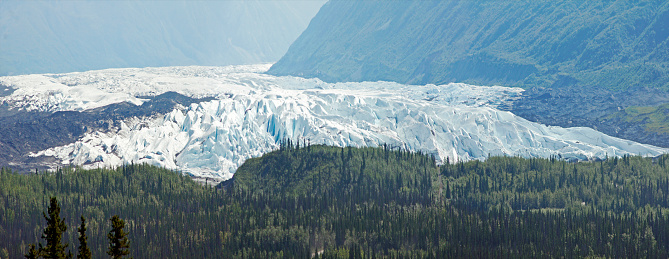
[
  {"x": 297, "y": 172},
  {"x": 610, "y": 44},
  {"x": 653, "y": 118}
]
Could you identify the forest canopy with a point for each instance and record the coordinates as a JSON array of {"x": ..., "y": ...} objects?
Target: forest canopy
[{"x": 356, "y": 202}]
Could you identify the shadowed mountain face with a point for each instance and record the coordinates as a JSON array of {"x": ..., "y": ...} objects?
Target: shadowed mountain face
[
  {"x": 610, "y": 44},
  {"x": 584, "y": 63},
  {"x": 67, "y": 36}
]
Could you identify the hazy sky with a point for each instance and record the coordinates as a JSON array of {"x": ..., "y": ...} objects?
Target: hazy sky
[{"x": 66, "y": 36}]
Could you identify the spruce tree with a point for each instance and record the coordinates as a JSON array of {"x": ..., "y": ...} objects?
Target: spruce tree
[
  {"x": 84, "y": 251},
  {"x": 118, "y": 239},
  {"x": 33, "y": 253},
  {"x": 53, "y": 233}
]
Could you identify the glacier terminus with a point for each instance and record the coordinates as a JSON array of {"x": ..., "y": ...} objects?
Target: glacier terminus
[{"x": 249, "y": 113}]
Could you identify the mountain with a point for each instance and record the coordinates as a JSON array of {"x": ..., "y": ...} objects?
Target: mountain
[
  {"x": 610, "y": 44},
  {"x": 66, "y": 36},
  {"x": 583, "y": 63},
  {"x": 247, "y": 113}
]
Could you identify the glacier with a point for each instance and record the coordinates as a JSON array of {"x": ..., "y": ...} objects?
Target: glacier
[{"x": 252, "y": 112}]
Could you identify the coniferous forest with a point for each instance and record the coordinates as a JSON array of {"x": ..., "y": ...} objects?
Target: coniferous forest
[{"x": 330, "y": 202}]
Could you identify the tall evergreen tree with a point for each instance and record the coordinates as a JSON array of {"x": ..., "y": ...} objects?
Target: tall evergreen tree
[
  {"x": 118, "y": 239},
  {"x": 33, "y": 253},
  {"x": 53, "y": 233},
  {"x": 84, "y": 251}
]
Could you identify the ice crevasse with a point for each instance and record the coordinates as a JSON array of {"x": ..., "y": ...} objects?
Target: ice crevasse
[{"x": 253, "y": 112}]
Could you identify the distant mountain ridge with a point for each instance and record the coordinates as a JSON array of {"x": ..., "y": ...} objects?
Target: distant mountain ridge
[
  {"x": 609, "y": 44},
  {"x": 67, "y": 36}
]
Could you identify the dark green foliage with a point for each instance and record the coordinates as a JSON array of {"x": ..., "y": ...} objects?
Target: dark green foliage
[
  {"x": 154, "y": 203},
  {"x": 53, "y": 233},
  {"x": 33, "y": 253},
  {"x": 362, "y": 203},
  {"x": 380, "y": 173},
  {"x": 83, "y": 252},
  {"x": 616, "y": 185},
  {"x": 118, "y": 239}
]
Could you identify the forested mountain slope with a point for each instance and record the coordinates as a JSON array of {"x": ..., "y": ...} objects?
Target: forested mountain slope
[
  {"x": 360, "y": 203},
  {"x": 609, "y": 44}
]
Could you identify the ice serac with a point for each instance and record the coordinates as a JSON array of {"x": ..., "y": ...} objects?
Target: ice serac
[{"x": 253, "y": 112}]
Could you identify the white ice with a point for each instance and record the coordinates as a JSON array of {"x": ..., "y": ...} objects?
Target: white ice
[{"x": 253, "y": 112}]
